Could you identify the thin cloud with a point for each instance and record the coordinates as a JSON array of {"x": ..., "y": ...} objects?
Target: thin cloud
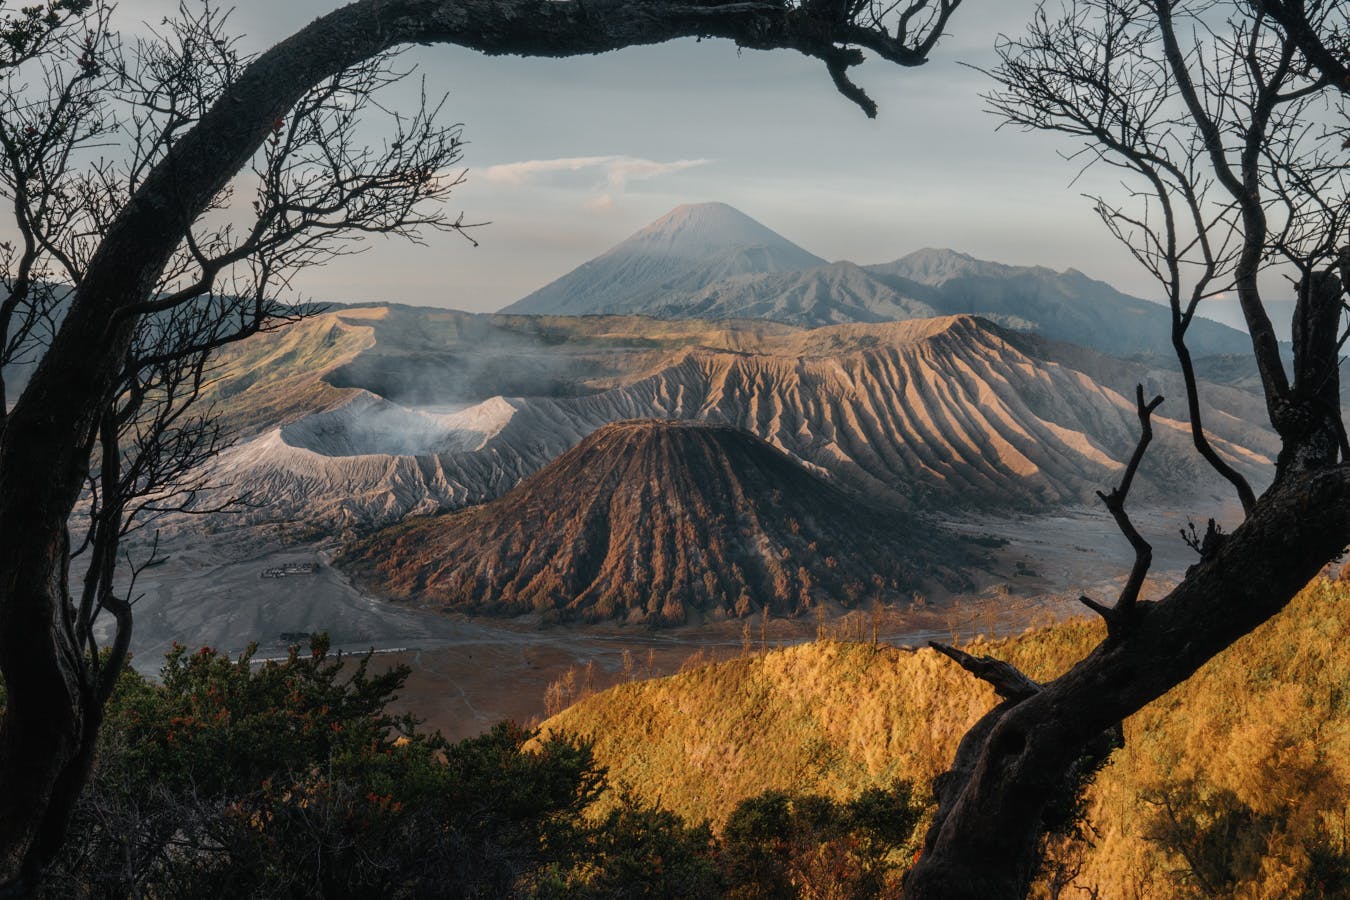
[
  {"x": 616, "y": 173},
  {"x": 601, "y": 203}
]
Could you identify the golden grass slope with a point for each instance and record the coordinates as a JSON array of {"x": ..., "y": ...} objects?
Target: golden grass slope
[{"x": 1234, "y": 783}]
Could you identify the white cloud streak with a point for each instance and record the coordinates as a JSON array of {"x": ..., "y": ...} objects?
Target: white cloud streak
[{"x": 616, "y": 173}]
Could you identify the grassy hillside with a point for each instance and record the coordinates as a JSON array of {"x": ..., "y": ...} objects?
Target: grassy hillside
[{"x": 1234, "y": 784}]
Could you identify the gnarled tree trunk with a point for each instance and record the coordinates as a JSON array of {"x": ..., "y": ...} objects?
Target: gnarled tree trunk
[
  {"x": 1203, "y": 179},
  {"x": 983, "y": 841},
  {"x": 45, "y": 446}
]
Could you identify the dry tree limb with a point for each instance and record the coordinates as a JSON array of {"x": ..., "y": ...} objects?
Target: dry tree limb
[
  {"x": 1119, "y": 616},
  {"x": 1309, "y": 25},
  {"x": 1204, "y": 109},
  {"x": 1006, "y": 679}
]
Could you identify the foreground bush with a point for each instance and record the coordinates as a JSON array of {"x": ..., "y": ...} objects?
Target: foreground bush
[{"x": 289, "y": 779}]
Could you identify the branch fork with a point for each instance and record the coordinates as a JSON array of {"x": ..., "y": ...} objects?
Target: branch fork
[
  {"x": 1007, "y": 680},
  {"x": 1121, "y": 616}
]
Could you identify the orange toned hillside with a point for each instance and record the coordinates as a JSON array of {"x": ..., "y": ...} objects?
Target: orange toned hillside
[{"x": 1234, "y": 784}]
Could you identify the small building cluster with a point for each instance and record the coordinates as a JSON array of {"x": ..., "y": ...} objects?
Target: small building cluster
[{"x": 307, "y": 568}]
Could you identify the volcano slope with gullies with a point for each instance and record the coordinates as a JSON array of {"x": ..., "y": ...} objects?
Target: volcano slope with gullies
[
  {"x": 939, "y": 415},
  {"x": 659, "y": 522}
]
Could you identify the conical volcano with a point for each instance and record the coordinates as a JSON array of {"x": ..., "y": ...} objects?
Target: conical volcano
[
  {"x": 658, "y": 522},
  {"x": 682, "y": 252}
]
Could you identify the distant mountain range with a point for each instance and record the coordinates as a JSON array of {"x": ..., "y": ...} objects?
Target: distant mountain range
[
  {"x": 711, "y": 261},
  {"x": 663, "y": 523}
]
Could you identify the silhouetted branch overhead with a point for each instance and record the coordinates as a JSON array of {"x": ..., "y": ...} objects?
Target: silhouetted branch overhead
[
  {"x": 1321, "y": 31},
  {"x": 903, "y": 33}
]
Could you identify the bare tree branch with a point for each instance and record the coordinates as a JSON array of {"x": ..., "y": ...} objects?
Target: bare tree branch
[
  {"x": 1207, "y": 108},
  {"x": 1321, "y": 31},
  {"x": 1120, "y": 616},
  {"x": 1007, "y": 681}
]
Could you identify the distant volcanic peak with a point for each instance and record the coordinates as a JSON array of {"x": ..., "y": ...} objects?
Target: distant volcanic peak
[
  {"x": 658, "y": 522},
  {"x": 820, "y": 295},
  {"x": 677, "y": 255},
  {"x": 698, "y": 231},
  {"x": 935, "y": 266}
]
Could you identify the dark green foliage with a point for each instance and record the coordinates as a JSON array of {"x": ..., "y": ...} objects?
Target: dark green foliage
[
  {"x": 756, "y": 839},
  {"x": 23, "y": 33},
  {"x": 641, "y": 851},
  {"x": 777, "y": 845},
  {"x": 289, "y": 780}
]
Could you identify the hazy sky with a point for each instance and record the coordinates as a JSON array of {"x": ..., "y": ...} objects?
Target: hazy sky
[{"x": 568, "y": 157}]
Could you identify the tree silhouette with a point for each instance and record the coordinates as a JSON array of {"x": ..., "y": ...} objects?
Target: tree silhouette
[
  {"x": 204, "y": 115},
  {"x": 1226, "y": 123}
]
